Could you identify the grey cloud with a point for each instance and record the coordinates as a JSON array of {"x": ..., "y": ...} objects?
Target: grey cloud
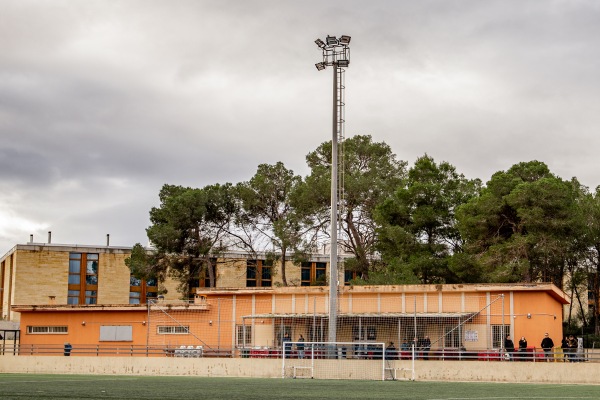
[
  {"x": 103, "y": 102},
  {"x": 17, "y": 166}
]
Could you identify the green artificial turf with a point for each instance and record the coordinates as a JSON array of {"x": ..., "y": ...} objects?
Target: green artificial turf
[{"x": 32, "y": 386}]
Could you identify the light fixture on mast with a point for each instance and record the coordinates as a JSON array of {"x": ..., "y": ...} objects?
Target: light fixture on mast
[{"x": 336, "y": 54}]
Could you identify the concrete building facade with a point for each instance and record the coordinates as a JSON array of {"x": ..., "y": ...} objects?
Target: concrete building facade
[
  {"x": 86, "y": 295},
  {"x": 63, "y": 274},
  {"x": 230, "y": 322}
]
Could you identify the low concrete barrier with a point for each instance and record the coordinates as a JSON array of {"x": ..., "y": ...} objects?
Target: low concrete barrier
[{"x": 479, "y": 371}]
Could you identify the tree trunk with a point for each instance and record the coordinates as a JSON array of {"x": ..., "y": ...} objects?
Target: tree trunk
[
  {"x": 359, "y": 252},
  {"x": 211, "y": 272},
  {"x": 283, "y": 277},
  {"x": 584, "y": 321},
  {"x": 596, "y": 290}
]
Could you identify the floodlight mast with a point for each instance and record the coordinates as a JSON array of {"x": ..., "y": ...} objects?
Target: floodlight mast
[{"x": 336, "y": 54}]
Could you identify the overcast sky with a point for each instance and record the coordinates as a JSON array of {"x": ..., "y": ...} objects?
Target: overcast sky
[{"x": 102, "y": 102}]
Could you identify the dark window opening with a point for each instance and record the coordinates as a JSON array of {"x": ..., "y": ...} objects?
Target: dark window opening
[{"x": 259, "y": 273}]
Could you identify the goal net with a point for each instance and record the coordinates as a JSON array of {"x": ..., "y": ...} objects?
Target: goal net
[{"x": 340, "y": 360}]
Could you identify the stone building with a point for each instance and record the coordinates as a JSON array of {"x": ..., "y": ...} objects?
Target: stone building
[{"x": 64, "y": 274}]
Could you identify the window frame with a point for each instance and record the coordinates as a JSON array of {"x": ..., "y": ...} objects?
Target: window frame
[
  {"x": 348, "y": 276},
  {"x": 499, "y": 334},
  {"x": 262, "y": 273},
  {"x": 366, "y": 332},
  {"x": 144, "y": 289},
  {"x": 452, "y": 337},
  {"x": 243, "y": 336},
  {"x": 122, "y": 333},
  {"x": 163, "y": 330},
  {"x": 204, "y": 277},
  {"x": 88, "y": 265},
  {"x": 316, "y": 270},
  {"x": 47, "y": 329}
]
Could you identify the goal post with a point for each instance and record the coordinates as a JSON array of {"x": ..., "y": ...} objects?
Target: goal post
[{"x": 340, "y": 360}]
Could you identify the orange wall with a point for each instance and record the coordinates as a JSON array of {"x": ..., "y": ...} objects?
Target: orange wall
[
  {"x": 542, "y": 310},
  {"x": 78, "y": 333},
  {"x": 215, "y": 326}
]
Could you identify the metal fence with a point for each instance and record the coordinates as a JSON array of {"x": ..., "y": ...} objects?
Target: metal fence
[{"x": 499, "y": 355}]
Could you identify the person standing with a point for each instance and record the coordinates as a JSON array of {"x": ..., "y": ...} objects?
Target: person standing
[
  {"x": 405, "y": 351},
  {"x": 522, "y": 348},
  {"x": 509, "y": 347},
  {"x": 68, "y": 349},
  {"x": 287, "y": 348},
  {"x": 547, "y": 345},
  {"x": 390, "y": 352},
  {"x": 572, "y": 344},
  {"x": 405, "y": 346},
  {"x": 564, "y": 345},
  {"x": 426, "y": 347},
  {"x": 300, "y": 347}
]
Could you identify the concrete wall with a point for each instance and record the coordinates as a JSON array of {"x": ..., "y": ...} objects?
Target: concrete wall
[
  {"x": 37, "y": 274},
  {"x": 231, "y": 273},
  {"x": 480, "y": 371}
]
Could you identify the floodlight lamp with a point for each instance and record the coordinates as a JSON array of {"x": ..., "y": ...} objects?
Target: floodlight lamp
[
  {"x": 320, "y": 43},
  {"x": 331, "y": 40},
  {"x": 345, "y": 39},
  {"x": 343, "y": 63},
  {"x": 320, "y": 66}
]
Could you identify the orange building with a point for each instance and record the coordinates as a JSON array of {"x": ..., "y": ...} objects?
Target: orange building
[{"x": 242, "y": 321}]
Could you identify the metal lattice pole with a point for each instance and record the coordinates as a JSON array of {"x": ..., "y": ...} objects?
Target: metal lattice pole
[{"x": 336, "y": 54}]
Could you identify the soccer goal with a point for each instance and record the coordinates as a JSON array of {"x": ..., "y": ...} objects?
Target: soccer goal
[{"x": 342, "y": 360}]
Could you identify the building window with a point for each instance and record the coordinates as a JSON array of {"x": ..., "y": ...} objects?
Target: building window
[
  {"x": 141, "y": 290},
  {"x": 91, "y": 297},
  {"x": 499, "y": 333},
  {"x": 313, "y": 274},
  {"x": 47, "y": 330},
  {"x": 204, "y": 278},
  {"x": 258, "y": 273},
  {"x": 83, "y": 278},
  {"x": 173, "y": 330},
  {"x": 364, "y": 332},
  {"x": 451, "y": 336},
  {"x": 116, "y": 333},
  {"x": 244, "y": 335},
  {"x": 348, "y": 276}
]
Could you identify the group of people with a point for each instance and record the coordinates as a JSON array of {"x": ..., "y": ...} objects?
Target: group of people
[
  {"x": 422, "y": 346},
  {"x": 288, "y": 348},
  {"x": 569, "y": 345},
  {"x": 509, "y": 347}
]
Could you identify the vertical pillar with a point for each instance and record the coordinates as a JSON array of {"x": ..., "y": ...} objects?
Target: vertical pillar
[{"x": 333, "y": 270}]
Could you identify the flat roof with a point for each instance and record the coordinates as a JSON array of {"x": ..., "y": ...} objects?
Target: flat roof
[
  {"x": 366, "y": 315},
  {"x": 475, "y": 288}
]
